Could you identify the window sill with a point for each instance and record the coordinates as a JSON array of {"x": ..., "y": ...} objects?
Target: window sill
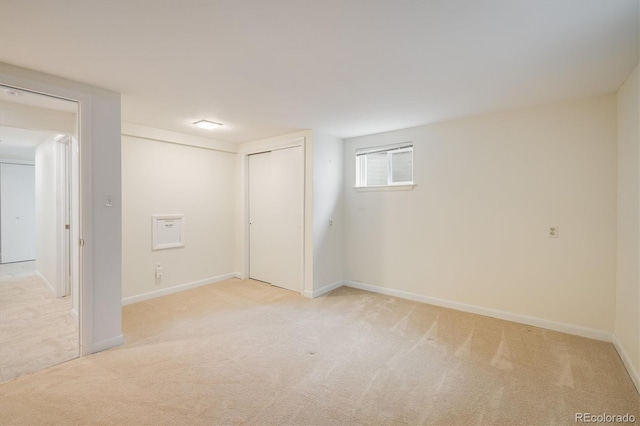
[{"x": 408, "y": 187}]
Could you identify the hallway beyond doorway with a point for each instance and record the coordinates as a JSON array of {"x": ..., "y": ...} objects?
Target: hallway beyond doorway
[{"x": 37, "y": 330}]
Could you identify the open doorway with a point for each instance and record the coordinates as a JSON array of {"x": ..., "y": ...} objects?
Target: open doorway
[{"x": 39, "y": 291}]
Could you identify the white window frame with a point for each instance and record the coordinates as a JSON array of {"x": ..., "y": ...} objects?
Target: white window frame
[{"x": 390, "y": 150}]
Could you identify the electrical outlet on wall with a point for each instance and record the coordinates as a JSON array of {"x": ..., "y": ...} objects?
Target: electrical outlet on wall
[
  {"x": 553, "y": 231},
  {"x": 159, "y": 271}
]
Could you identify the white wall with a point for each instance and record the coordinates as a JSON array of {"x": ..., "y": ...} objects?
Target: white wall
[
  {"x": 162, "y": 176},
  {"x": 46, "y": 214},
  {"x": 34, "y": 118},
  {"x": 328, "y": 188},
  {"x": 101, "y": 304},
  {"x": 17, "y": 212},
  {"x": 242, "y": 239},
  {"x": 474, "y": 230},
  {"x": 627, "y": 315}
]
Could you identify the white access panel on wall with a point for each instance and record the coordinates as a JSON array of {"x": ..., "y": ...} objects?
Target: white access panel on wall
[
  {"x": 17, "y": 212},
  {"x": 276, "y": 215},
  {"x": 168, "y": 231}
]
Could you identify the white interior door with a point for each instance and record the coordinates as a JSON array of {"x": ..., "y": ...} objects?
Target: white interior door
[
  {"x": 17, "y": 212},
  {"x": 276, "y": 209},
  {"x": 63, "y": 219},
  {"x": 260, "y": 217}
]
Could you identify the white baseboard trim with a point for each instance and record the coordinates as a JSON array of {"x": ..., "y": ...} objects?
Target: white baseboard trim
[
  {"x": 494, "y": 313},
  {"x": 45, "y": 282},
  {"x": 635, "y": 376},
  {"x": 176, "y": 288},
  {"x": 105, "y": 344},
  {"x": 323, "y": 290}
]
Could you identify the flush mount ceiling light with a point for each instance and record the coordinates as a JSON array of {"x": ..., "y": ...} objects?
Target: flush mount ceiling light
[{"x": 206, "y": 124}]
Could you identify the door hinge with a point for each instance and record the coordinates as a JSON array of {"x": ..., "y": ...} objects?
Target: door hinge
[{"x": 67, "y": 226}]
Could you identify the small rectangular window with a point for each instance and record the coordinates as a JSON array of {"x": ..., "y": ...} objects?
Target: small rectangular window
[{"x": 385, "y": 166}]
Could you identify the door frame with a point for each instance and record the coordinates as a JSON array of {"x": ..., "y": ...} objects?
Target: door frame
[
  {"x": 80, "y": 198},
  {"x": 250, "y": 149}
]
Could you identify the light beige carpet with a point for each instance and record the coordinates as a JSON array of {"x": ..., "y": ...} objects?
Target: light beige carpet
[
  {"x": 243, "y": 352},
  {"x": 36, "y": 328}
]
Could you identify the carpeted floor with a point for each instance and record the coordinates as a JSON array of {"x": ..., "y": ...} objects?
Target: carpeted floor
[
  {"x": 243, "y": 352},
  {"x": 36, "y": 328}
]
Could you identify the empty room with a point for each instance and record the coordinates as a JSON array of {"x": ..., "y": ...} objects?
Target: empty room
[{"x": 321, "y": 212}]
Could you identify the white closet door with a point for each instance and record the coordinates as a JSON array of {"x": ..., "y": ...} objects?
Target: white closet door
[
  {"x": 260, "y": 218},
  {"x": 276, "y": 207},
  {"x": 287, "y": 198},
  {"x": 17, "y": 212}
]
